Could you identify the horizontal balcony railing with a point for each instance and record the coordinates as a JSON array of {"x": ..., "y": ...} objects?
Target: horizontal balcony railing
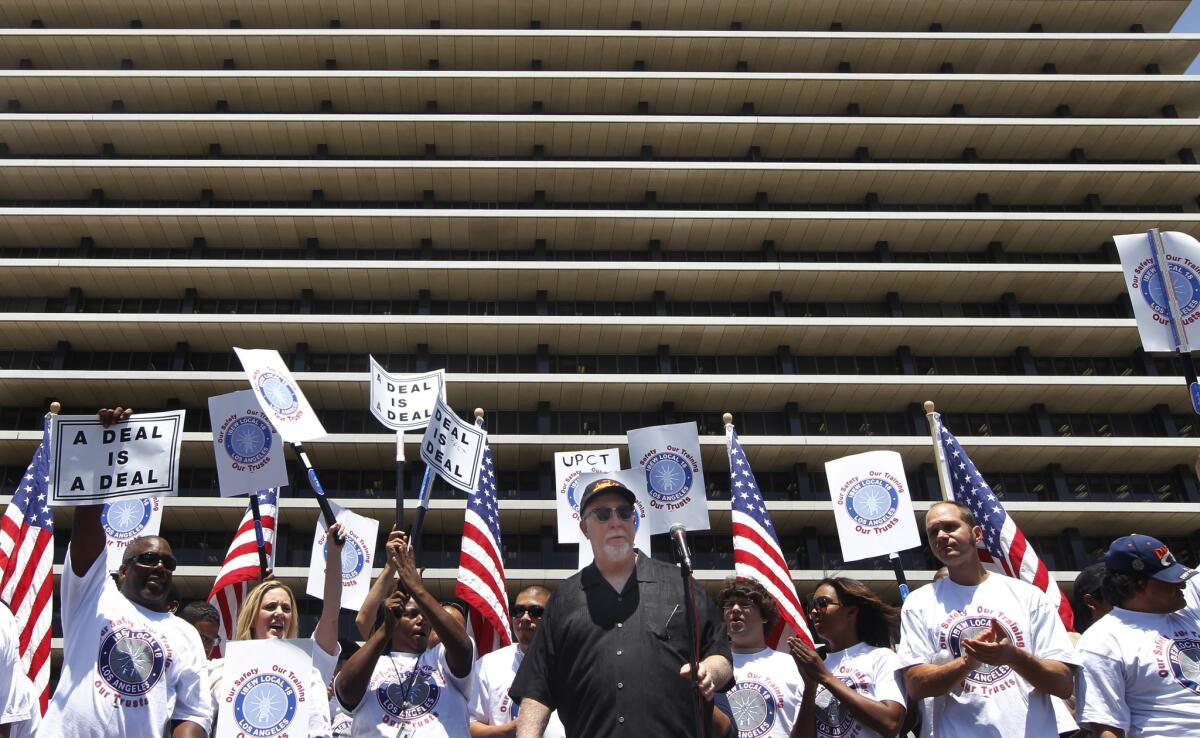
[
  {"x": 634, "y": 184},
  {"x": 662, "y": 137},
  {"x": 624, "y": 92},
  {"x": 594, "y": 49}
]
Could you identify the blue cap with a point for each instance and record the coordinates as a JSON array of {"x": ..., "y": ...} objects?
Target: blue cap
[{"x": 1139, "y": 554}]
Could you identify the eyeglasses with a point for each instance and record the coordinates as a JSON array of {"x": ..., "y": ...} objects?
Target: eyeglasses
[
  {"x": 211, "y": 642},
  {"x": 820, "y": 603},
  {"x": 150, "y": 560},
  {"x": 604, "y": 514},
  {"x": 741, "y": 605},
  {"x": 535, "y": 611}
]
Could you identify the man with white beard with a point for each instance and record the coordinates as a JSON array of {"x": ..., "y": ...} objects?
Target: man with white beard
[{"x": 614, "y": 640}]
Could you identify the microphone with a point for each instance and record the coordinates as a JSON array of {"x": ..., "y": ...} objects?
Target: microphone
[{"x": 679, "y": 546}]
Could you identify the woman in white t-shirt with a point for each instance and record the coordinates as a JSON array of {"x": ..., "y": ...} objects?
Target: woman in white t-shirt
[
  {"x": 855, "y": 691},
  {"x": 269, "y": 611}
]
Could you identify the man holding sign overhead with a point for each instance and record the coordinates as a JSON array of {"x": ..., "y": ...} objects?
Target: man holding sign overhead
[
  {"x": 614, "y": 642},
  {"x": 129, "y": 666}
]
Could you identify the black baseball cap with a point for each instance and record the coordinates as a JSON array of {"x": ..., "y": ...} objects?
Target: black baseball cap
[
  {"x": 1139, "y": 554},
  {"x": 602, "y": 486}
]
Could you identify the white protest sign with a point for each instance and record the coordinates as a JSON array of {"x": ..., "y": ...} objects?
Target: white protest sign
[
  {"x": 405, "y": 401},
  {"x": 670, "y": 456},
  {"x": 635, "y": 480},
  {"x": 1147, "y": 293},
  {"x": 126, "y": 519},
  {"x": 871, "y": 505},
  {"x": 279, "y": 396},
  {"x": 266, "y": 689},
  {"x": 357, "y": 557},
  {"x": 138, "y": 457},
  {"x": 453, "y": 447},
  {"x": 248, "y": 451},
  {"x": 568, "y": 466}
]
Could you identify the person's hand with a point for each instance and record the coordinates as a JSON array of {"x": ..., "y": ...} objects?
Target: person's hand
[
  {"x": 703, "y": 679},
  {"x": 393, "y": 608},
  {"x": 110, "y": 415},
  {"x": 268, "y": 575},
  {"x": 808, "y": 661},
  {"x": 336, "y": 538},
  {"x": 401, "y": 555},
  {"x": 389, "y": 563},
  {"x": 993, "y": 647}
]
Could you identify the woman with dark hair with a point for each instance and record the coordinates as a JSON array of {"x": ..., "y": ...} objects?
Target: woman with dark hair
[{"x": 855, "y": 690}]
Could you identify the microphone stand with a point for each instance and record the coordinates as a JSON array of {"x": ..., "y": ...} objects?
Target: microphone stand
[{"x": 703, "y": 707}]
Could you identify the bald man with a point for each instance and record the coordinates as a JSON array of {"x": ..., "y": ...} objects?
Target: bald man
[
  {"x": 493, "y": 712},
  {"x": 130, "y": 667}
]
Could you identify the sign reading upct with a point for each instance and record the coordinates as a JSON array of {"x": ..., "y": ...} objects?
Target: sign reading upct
[
  {"x": 405, "y": 401},
  {"x": 569, "y": 467},
  {"x": 138, "y": 457},
  {"x": 453, "y": 447}
]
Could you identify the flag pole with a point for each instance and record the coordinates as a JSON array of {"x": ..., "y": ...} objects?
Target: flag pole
[
  {"x": 939, "y": 454},
  {"x": 258, "y": 536},
  {"x": 399, "y": 480},
  {"x": 318, "y": 490}
]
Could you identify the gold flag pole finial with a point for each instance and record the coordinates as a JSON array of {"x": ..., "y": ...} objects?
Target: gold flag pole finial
[
  {"x": 55, "y": 407},
  {"x": 728, "y": 418}
]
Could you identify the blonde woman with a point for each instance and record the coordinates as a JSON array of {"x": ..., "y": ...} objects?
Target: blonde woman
[{"x": 269, "y": 611}]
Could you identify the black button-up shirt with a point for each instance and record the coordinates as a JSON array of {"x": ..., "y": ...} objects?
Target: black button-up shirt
[{"x": 609, "y": 661}]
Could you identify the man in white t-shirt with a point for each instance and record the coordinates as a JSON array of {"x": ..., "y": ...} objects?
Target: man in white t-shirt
[
  {"x": 765, "y": 698},
  {"x": 1140, "y": 673},
  {"x": 493, "y": 712},
  {"x": 19, "y": 709},
  {"x": 990, "y": 649},
  {"x": 130, "y": 667}
]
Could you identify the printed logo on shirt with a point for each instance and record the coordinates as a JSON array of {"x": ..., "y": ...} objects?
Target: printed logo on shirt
[
  {"x": 832, "y": 720},
  {"x": 668, "y": 476},
  {"x": 131, "y": 661},
  {"x": 124, "y": 520},
  {"x": 1184, "y": 659},
  {"x": 265, "y": 705},
  {"x": 342, "y": 724},
  {"x": 278, "y": 393},
  {"x": 960, "y": 626},
  {"x": 753, "y": 707},
  {"x": 409, "y": 700}
]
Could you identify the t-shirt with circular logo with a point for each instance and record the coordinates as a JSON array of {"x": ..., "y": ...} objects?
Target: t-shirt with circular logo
[
  {"x": 869, "y": 670},
  {"x": 491, "y": 704},
  {"x": 432, "y": 703},
  {"x": 765, "y": 698}
]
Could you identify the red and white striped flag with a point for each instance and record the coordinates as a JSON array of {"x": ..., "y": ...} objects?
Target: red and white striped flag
[
  {"x": 481, "y": 564},
  {"x": 756, "y": 551},
  {"x": 1004, "y": 549},
  {"x": 27, "y": 563},
  {"x": 240, "y": 572}
]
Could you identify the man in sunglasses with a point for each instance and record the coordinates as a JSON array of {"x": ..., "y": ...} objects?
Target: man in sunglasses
[
  {"x": 130, "y": 667},
  {"x": 493, "y": 713},
  {"x": 613, "y": 653}
]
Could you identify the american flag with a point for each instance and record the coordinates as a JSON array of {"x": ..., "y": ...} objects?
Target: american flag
[
  {"x": 1005, "y": 548},
  {"x": 27, "y": 563},
  {"x": 240, "y": 571},
  {"x": 756, "y": 551},
  {"x": 481, "y": 564}
]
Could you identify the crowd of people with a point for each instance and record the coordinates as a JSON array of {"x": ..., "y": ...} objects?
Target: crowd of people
[{"x": 616, "y": 650}]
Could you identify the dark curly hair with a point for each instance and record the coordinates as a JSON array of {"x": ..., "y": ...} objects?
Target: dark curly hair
[
  {"x": 1119, "y": 586},
  {"x": 875, "y": 617},
  {"x": 750, "y": 589}
]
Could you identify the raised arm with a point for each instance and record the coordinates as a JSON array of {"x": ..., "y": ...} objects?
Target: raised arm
[
  {"x": 354, "y": 678},
  {"x": 87, "y": 535},
  {"x": 452, "y": 635},
  {"x": 383, "y": 587},
  {"x": 326, "y": 632}
]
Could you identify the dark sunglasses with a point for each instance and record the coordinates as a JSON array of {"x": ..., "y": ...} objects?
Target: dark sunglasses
[
  {"x": 604, "y": 514},
  {"x": 820, "y": 603},
  {"x": 210, "y": 642},
  {"x": 151, "y": 560},
  {"x": 535, "y": 611}
]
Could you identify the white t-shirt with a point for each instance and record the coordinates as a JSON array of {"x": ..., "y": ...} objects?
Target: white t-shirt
[
  {"x": 341, "y": 722},
  {"x": 1141, "y": 673},
  {"x": 869, "y": 670},
  {"x": 318, "y": 712},
  {"x": 765, "y": 698},
  {"x": 491, "y": 704},
  {"x": 992, "y": 700},
  {"x": 126, "y": 670},
  {"x": 18, "y": 702},
  {"x": 436, "y": 706}
]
